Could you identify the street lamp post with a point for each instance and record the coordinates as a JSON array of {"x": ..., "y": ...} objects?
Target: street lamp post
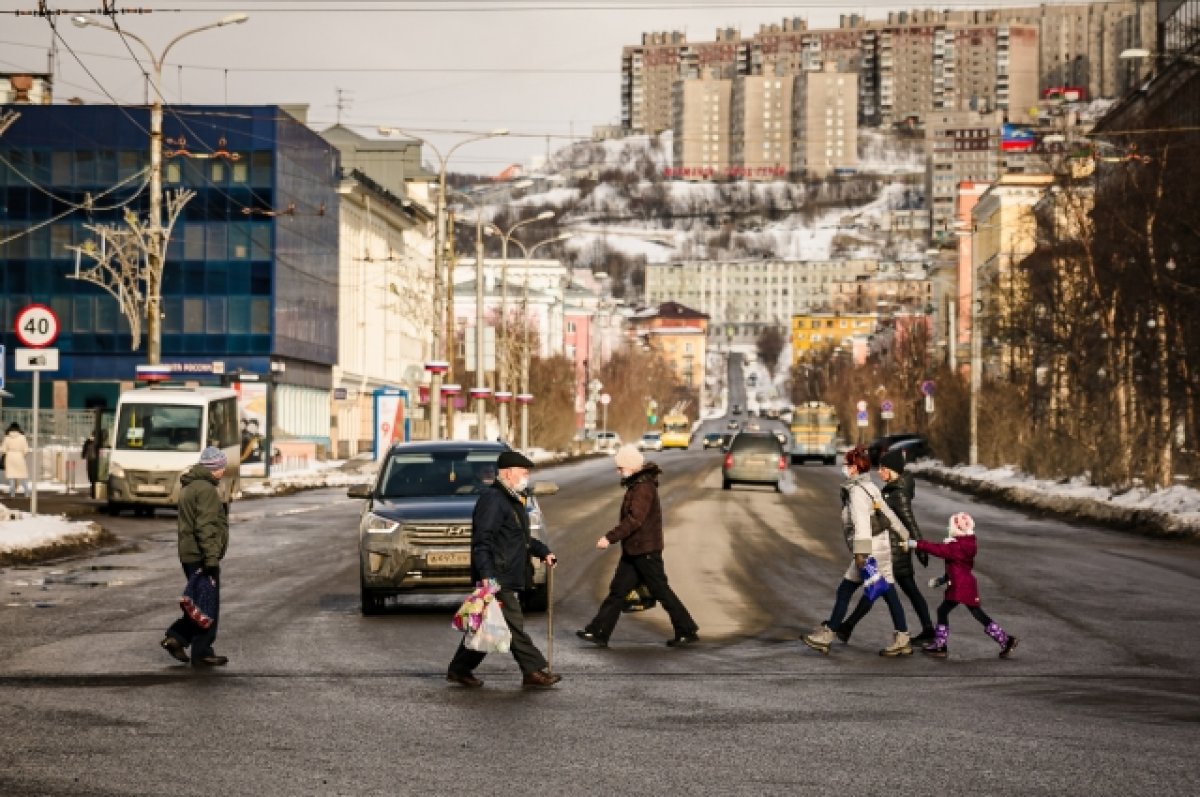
[
  {"x": 442, "y": 304},
  {"x": 527, "y": 345},
  {"x": 502, "y": 345},
  {"x": 156, "y": 251}
]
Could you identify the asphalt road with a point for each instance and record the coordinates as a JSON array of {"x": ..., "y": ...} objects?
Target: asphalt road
[{"x": 1101, "y": 697}]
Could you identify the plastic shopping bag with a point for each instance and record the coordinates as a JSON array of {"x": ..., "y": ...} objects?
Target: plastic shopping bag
[
  {"x": 874, "y": 584},
  {"x": 470, "y": 614},
  {"x": 493, "y": 635}
]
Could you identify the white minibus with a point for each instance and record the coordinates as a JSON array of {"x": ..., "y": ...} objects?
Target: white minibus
[{"x": 158, "y": 434}]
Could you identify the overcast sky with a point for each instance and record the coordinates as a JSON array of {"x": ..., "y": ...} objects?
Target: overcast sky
[{"x": 544, "y": 69}]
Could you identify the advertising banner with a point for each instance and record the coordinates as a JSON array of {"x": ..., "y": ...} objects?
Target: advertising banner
[
  {"x": 391, "y": 419},
  {"x": 252, "y": 406}
]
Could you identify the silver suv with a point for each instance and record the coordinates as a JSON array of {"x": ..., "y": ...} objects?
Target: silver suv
[{"x": 414, "y": 534}]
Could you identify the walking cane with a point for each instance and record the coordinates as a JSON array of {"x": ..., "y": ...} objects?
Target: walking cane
[{"x": 550, "y": 618}]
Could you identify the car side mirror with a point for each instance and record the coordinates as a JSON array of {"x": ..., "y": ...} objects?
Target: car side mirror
[
  {"x": 544, "y": 488},
  {"x": 359, "y": 491}
]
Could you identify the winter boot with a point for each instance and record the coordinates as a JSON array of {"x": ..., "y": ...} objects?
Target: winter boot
[
  {"x": 1007, "y": 643},
  {"x": 926, "y": 635},
  {"x": 900, "y": 646},
  {"x": 844, "y": 631},
  {"x": 820, "y": 639},
  {"x": 939, "y": 647}
]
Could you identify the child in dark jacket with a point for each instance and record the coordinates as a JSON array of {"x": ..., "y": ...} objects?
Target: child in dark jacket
[{"x": 959, "y": 552}]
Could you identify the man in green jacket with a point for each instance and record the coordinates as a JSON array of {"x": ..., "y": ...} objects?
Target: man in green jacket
[{"x": 203, "y": 538}]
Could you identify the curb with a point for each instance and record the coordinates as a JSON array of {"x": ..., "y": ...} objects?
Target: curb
[{"x": 1144, "y": 522}]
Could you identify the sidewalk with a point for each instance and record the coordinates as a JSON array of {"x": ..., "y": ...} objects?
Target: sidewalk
[{"x": 76, "y": 506}]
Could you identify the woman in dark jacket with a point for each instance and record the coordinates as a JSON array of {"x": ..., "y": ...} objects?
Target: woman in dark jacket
[
  {"x": 640, "y": 532},
  {"x": 898, "y": 491}
]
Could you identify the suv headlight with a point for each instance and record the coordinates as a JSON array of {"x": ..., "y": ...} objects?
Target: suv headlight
[{"x": 377, "y": 524}]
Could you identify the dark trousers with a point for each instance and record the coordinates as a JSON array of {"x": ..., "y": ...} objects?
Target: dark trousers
[
  {"x": 943, "y": 613},
  {"x": 908, "y": 585},
  {"x": 185, "y": 629},
  {"x": 528, "y": 657},
  {"x": 633, "y": 570},
  {"x": 841, "y": 603}
]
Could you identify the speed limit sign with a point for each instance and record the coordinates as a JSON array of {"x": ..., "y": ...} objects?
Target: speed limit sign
[{"x": 37, "y": 326}]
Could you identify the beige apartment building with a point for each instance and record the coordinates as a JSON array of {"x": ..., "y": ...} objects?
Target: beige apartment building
[
  {"x": 961, "y": 147},
  {"x": 761, "y": 130},
  {"x": 826, "y": 122},
  {"x": 911, "y": 62},
  {"x": 743, "y": 297},
  {"x": 701, "y": 143}
]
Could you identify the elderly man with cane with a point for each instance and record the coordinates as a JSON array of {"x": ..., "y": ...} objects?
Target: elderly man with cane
[{"x": 500, "y": 549}]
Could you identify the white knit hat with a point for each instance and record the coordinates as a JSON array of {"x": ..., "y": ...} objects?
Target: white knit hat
[
  {"x": 629, "y": 457},
  {"x": 961, "y": 525}
]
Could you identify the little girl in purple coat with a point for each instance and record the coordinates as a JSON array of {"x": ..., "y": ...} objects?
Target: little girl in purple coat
[{"x": 959, "y": 552}]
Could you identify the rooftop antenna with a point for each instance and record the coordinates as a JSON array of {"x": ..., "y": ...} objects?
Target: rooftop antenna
[{"x": 344, "y": 100}]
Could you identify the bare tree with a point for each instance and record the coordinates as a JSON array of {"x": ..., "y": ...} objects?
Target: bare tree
[{"x": 770, "y": 345}]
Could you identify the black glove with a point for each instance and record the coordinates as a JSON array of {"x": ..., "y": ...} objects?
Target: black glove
[
  {"x": 923, "y": 558},
  {"x": 213, "y": 572}
]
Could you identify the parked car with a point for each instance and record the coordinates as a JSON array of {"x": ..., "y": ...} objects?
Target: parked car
[
  {"x": 651, "y": 441},
  {"x": 737, "y": 409},
  {"x": 754, "y": 458},
  {"x": 733, "y": 424},
  {"x": 782, "y": 437},
  {"x": 881, "y": 444},
  {"x": 713, "y": 440},
  {"x": 608, "y": 442},
  {"x": 914, "y": 448},
  {"x": 414, "y": 534}
]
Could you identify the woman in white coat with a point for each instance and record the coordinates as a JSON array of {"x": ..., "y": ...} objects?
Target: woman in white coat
[
  {"x": 15, "y": 447},
  {"x": 860, "y": 499}
]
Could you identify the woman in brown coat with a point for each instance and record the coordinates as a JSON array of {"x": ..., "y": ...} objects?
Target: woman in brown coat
[{"x": 640, "y": 532}]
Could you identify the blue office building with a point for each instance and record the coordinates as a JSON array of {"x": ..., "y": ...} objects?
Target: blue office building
[{"x": 250, "y": 282}]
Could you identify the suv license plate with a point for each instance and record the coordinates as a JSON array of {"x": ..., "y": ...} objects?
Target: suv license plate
[{"x": 448, "y": 559}]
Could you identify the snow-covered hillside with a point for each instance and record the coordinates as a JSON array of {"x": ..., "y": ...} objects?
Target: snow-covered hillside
[{"x": 613, "y": 199}]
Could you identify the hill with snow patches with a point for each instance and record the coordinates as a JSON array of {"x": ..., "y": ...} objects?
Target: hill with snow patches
[{"x": 612, "y": 196}]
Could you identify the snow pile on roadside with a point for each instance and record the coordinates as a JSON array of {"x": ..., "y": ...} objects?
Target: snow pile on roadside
[
  {"x": 332, "y": 473},
  {"x": 23, "y": 531},
  {"x": 1173, "y": 511}
]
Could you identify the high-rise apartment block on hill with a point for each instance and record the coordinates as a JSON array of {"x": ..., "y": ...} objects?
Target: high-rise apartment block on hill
[{"x": 908, "y": 69}]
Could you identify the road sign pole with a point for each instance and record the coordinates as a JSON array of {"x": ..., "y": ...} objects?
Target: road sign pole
[{"x": 34, "y": 481}]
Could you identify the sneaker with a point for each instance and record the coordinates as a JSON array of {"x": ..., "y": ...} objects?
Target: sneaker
[
  {"x": 844, "y": 633},
  {"x": 820, "y": 639},
  {"x": 468, "y": 680},
  {"x": 1010, "y": 645},
  {"x": 900, "y": 646},
  {"x": 683, "y": 640},
  {"x": 926, "y": 635},
  {"x": 543, "y": 678},
  {"x": 176, "y": 648},
  {"x": 595, "y": 639}
]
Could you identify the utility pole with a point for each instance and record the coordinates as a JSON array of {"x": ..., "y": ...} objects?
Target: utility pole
[{"x": 153, "y": 237}]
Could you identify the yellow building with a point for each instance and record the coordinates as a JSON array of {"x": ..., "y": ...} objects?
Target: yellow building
[
  {"x": 812, "y": 332},
  {"x": 677, "y": 333}
]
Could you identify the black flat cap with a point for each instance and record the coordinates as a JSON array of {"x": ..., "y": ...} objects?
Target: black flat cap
[{"x": 513, "y": 459}]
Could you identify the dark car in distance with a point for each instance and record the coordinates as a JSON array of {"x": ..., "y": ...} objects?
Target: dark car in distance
[
  {"x": 414, "y": 534},
  {"x": 877, "y": 446},
  {"x": 914, "y": 448},
  {"x": 713, "y": 440}
]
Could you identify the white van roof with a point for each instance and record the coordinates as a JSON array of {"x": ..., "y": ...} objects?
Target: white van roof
[{"x": 155, "y": 394}]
